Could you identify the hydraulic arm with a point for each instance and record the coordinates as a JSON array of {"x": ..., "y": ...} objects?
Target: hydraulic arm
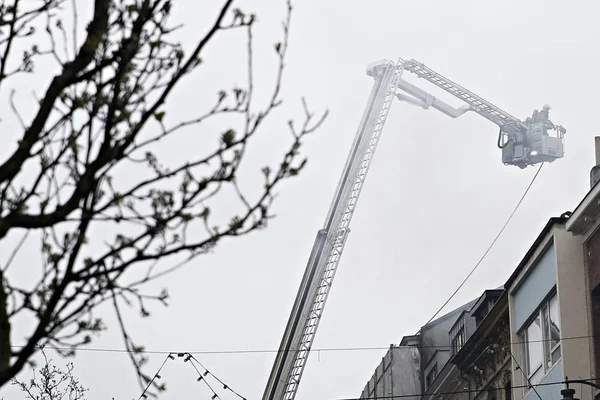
[
  {"x": 523, "y": 143},
  {"x": 521, "y": 138}
]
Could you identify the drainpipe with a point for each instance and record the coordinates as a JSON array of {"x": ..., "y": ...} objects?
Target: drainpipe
[{"x": 595, "y": 172}]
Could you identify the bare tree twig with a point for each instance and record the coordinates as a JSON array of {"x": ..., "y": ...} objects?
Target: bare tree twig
[
  {"x": 52, "y": 383},
  {"x": 89, "y": 161}
]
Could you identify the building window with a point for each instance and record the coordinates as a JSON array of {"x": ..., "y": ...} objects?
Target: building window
[
  {"x": 431, "y": 375},
  {"x": 458, "y": 341},
  {"x": 541, "y": 340},
  {"x": 552, "y": 329},
  {"x": 458, "y": 335},
  {"x": 483, "y": 312}
]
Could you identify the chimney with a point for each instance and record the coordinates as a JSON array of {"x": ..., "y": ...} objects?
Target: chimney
[{"x": 595, "y": 172}]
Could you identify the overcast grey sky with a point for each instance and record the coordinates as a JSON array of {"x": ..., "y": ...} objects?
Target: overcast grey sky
[{"x": 436, "y": 195}]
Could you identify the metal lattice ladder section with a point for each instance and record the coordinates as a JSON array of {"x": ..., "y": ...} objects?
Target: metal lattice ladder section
[
  {"x": 509, "y": 124},
  {"x": 337, "y": 239}
]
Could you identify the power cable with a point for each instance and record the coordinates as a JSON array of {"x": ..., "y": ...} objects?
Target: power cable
[
  {"x": 524, "y": 374},
  {"x": 490, "y": 246},
  {"x": 215, "y": 396},
  {"x": 225, "y": 386},
  {"x": 488, "y": 350},
  {"x": 201, "y": 376},
  {"x": 420, "y": 396},
  {"x": 265, "y": 351},
  {"x": 473, "y": 365},
  {"x": 458, "y": 381},
  {"x": 155, "y": 376}
]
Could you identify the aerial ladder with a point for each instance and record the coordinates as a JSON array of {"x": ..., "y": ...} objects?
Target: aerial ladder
[{"x": 523, "y": 143}]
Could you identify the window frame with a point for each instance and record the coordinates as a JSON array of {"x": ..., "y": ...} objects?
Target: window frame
[
  {"x": 525, "y": 341},
  {"x": 431, "y": 375},
  {"x": 543, "y": 313},
  {"x": 458, "y": 341},
  {"x": 553, "y": 347},
  {"x": 458, "y": 335}
]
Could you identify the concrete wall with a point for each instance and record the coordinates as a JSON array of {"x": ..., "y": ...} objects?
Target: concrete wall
[
  {"x": 573, "y": 316},
  {"x": 397, "y": 375}
]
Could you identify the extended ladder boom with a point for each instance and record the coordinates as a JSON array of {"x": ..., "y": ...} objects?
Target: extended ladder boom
[
  {"x": 522, "y": 143},
  {"x": 507, "y": 122},
  {"x": 526, "y": 145},
  {"x": 329, "y": 243}
]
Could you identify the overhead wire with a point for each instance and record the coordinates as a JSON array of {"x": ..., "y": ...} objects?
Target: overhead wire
[
  {"x": 448, "y": 393},
  {"x": 473, "y": 365},
  {"x": 524, "y": 374},
  {"x": 207, "y": 372},
  {"x": 489, "y": 247},
  {"x": 201, "y": 376},
  {"x": 154, "y": 377},
  {"x": 487, "y": 351},
  {"x": 436, "y": 395},
  {"x": 265, "y": 351}
]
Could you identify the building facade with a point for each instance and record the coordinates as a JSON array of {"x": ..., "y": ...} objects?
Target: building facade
[
  {"x": 548, "y": 317},
  {"x": 398, "y": 374},
  {"x": 518, "y": 342},
  {"x": 584, "y": 224},
  {"x": 412, "y": 366},
  {"x": 479, "y": 367},
  {"x": 521, "y": 341}
]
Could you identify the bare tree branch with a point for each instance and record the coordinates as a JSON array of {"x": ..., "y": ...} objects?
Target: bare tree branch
[
  {"x": 90, "y": 161},
  {"x": 52, "y": 383}
]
